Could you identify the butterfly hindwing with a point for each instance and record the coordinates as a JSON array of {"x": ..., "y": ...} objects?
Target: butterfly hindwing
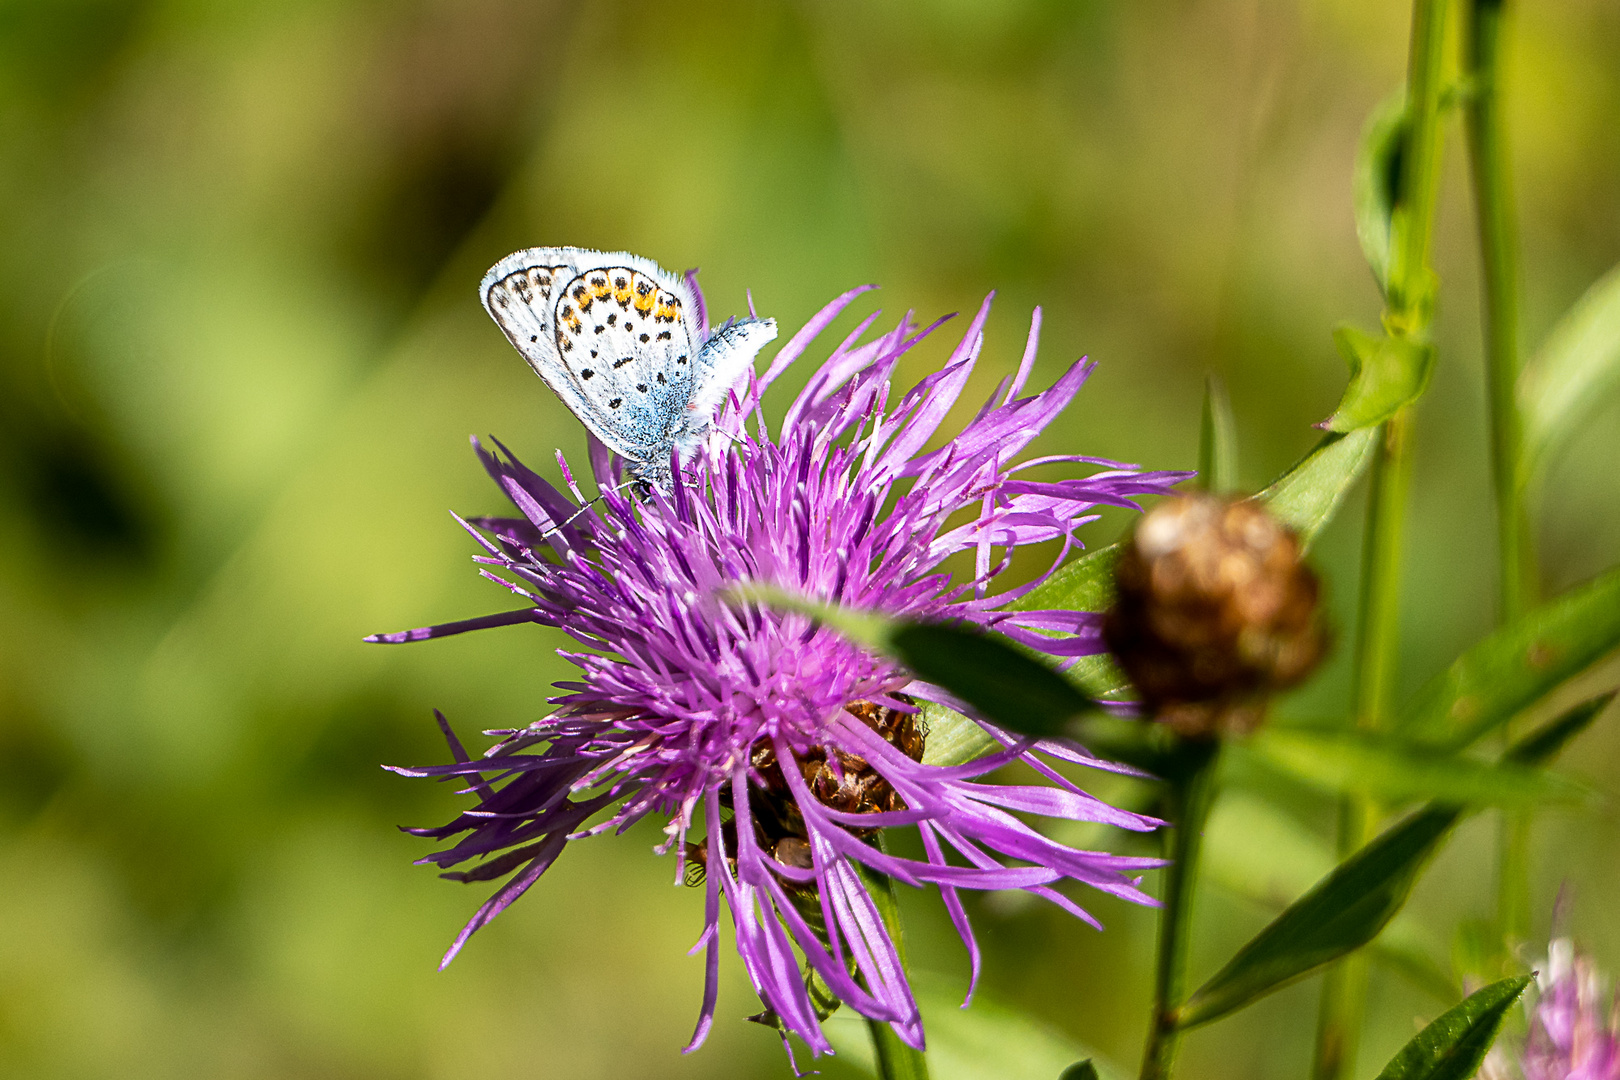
[
  {"x": 524, "y": 292},
  {"x": 625, "y": 338}
]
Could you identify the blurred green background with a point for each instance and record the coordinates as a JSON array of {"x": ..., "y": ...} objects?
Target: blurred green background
[{"x": 242, "y": 353}]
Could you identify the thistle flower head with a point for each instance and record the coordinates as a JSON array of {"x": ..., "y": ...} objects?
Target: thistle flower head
[{"x": 774, "y": 748}]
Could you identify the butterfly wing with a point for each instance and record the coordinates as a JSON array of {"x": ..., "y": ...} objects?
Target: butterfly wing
[
  {"x": 579, "y": 316},
  {"x": 721, "y": 364},
  {"x": 626, "y": 336}
]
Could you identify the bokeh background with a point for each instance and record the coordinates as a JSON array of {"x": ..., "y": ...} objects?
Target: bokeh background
[{"x": 241, "y": 353}]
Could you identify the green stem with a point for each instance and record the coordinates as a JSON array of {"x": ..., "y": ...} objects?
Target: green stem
[
  {"x": 895, "y": 1060},
  {"x": 1192, "y": 790},
  {"x": 1410, "y": 297},
  {"x": 1344, "y": 989},
  {"x": 1409, "y": 306},
  {"x": 1493, "y": 201}
]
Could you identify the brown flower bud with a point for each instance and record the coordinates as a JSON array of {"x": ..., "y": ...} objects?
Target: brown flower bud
[{"x": 1215, "y": 611}]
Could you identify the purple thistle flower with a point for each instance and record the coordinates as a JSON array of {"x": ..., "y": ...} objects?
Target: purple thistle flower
[
  {"x": 785, "y": 744},
  {"x": 1574, "y": 1024}
]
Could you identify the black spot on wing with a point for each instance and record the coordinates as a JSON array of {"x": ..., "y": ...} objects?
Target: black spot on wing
[
  {"x": 587, "y": 373},
  {"x": 615, "y": 403}
]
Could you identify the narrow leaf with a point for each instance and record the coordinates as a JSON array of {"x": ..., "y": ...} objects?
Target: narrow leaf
[
  {"x": 1217, "y": 440},
  {"x": 1308, "y": 495},
  {"x": 1305, "y": 498},
  {"x": 1005, "y": 686},
  {"x": 1080, "y": 1070},
  {"x": 1573, "y": 373},
  {"x": 1518, "y": 664},
  {"x": 1396, "y": 771},
  {"x": 1261, "y": 854},
  {"x": 1453, "y": 1047},
  {"x": 1385, "y": 374},
  {"x": 1349, "y": 907},
  {"x": 1085, "y": 583},
  {"x": 1376, "y": 181},
  {"x": 1344, "y": 911},
  {"x": 952, "y": 739},
  {"x": 1544, "y": 743}
]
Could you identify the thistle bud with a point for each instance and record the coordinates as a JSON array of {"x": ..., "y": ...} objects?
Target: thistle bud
[{"x": 1216, "y": 610}]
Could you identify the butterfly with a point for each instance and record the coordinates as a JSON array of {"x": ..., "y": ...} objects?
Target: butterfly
[{"x": 617, "y": 338}]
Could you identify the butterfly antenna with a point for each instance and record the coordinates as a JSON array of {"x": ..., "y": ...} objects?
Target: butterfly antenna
[{"x": 555, "y": 529}]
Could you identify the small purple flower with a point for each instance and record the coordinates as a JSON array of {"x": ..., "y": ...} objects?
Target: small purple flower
[
  {"x": 784, "y": 745},
  {"x": 1574, "y": 1023}
]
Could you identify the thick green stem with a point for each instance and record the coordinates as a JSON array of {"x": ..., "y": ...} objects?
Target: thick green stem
[
  {"x": 1408, "y": 308},
  {"x": 895, "y": 1060},
  {"x": 1192, "y": 790},
  {"x": 1493, "y": 202}
]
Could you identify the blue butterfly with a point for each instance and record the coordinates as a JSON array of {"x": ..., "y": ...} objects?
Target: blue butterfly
[{"x": 615, "y": 337}]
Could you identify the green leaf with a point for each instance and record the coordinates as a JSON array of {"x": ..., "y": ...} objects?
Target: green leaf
[
  {"x": 952, "y": 739},
  {"x": 1348, "y": 908},
  {"x": 1518, "y": 664},
  {"x": 1574, "y": 371},
  {"x": 1395, "y": 771},
  {"x": 1004, "y": 685},
  {"x": 1543, "y": 743},
  {"x": 1376, "y": 181},
  {"x": 1385, "y": 373},
  {"x": 1305, "y": 498},
  {"x": 1344, "y": 911},
  {"x": 1261, "y": 854},
  {"x": 1080, "y": 1070},
  {"x": 1308, "y": 495},
  {"x": 1453, "y": 1047},
  {"x": 1085, "y": 583},
  {"x": 1217, "y": 440}
]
